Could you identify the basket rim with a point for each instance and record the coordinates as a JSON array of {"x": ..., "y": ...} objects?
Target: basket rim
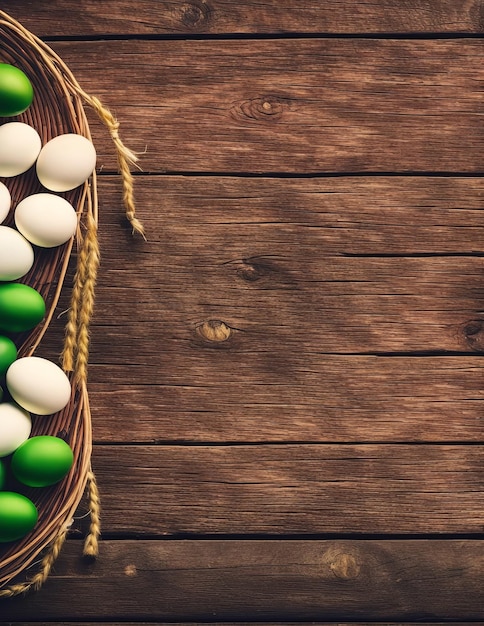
[{"x": 55, "y": 89}]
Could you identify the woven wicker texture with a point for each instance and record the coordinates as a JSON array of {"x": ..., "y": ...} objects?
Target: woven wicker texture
[{"x": 57, "y": 109}]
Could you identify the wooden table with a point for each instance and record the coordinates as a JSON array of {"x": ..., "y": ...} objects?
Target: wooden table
[{"x": 286, "y": 377}]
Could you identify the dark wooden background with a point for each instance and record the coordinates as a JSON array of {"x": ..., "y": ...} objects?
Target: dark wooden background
[{"x": 286, "y": 378}]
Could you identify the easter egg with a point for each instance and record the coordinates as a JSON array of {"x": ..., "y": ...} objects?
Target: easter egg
[
  {"x": 20, "y": 145},
  {"x": 38, "y": 385},
  {"x": 18, "y": 516},
  {"x": 3, "y": 475},
  {"x": 5, "y": 202},
  {"x": 21, "y": 307},
  {"x": 16, "y": 254},
  {"x": 8, "y": 354},
  {"x": 15, "y": 427},
  {"x": 16, "y": 91},
  {"x": 42, "y": 461},
  {"x": 65, "y": 162},
  {"x": 46, "y": 220}
]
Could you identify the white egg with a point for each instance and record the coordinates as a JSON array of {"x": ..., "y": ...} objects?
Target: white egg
[
  {"x": 38, "y": 385},
  {"x": 15, "y": 427},
  {"x": 66, "y": 162},
  {"x": 16, "y": 254},
  {"x": 46, "y": 220},
  {"x": 5, "y": 202},
  {"x": 20, "y": 146}
]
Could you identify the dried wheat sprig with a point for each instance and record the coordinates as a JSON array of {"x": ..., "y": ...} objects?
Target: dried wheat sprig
[
  {"x": 41, "y": 576},
  {"x": 124, "y": 155},
  {"x": 85, "y": 310},
  {"x": 91, "y": 543}
]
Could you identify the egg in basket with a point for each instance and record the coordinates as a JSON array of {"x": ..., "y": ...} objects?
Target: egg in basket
[{"x": 48, "y": 212}]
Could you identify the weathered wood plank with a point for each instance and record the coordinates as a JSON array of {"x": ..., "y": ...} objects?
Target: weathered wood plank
[
  {"x": 88, "y": 17},
  {"x": 260, "y": 217},
  {"x": 319, "y": 398},
  {"x": 330, "y": 318},
  {"x": 291, "y": 105},
  {"x": 268, "y": 580},
  {"x": 287, "y": 489}
]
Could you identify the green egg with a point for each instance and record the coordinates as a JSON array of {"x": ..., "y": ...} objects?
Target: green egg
[
  {"x": 8, "y": 354},
  {"x": 21, "y": 307},
  {"x": 3, "y": 475},
  {"x": 16, "y": 91},
  {"x": 18, "y": 516},
  {"x": 42, "y": 461}
]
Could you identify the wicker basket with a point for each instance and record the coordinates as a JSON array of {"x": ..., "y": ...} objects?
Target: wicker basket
[{"x": 58, "y": 108}]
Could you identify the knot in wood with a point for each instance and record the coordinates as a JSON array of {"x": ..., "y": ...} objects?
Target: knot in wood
[
  {"x": 249, "y": 270},
  {"x": 474, "y": 334},
  {"x": 195, "y": 15},
  {"x": 214, "y": 331},
  {"x": 345, "y": 566},
  {"x": 342, "y": 561},
  {"x": 130, "y": 570},
  {"x": 263, "y": 109}
]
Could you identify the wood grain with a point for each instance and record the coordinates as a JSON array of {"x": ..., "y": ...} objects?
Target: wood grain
[
  {"x": 296, "y": 350},
  {"x": 289, "y": 581},
  {"x": 288, "y": 489},
  {"x": 292, "y": 105},
  {"x": 314, "y": 313},
  {"x": 269, "y": 219},
  {"x": 346, "y": 318},
  {"x": 267, "y": 381},
  {"x": 91, "y": 18},
  {"x": 325, "y": 399}
]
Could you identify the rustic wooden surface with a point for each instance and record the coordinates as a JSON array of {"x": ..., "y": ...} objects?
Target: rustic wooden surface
[{"x": 286, "y": 377}]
